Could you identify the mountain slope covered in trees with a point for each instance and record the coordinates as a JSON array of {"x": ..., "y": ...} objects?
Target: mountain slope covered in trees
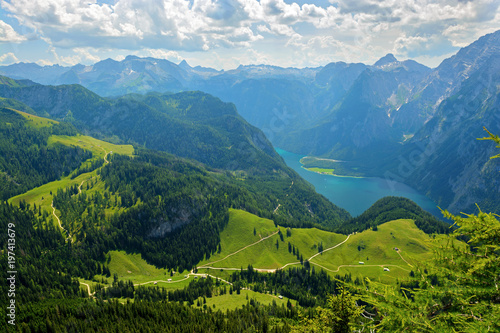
[
  {"x": 377, "y": 118},
  {"x": 171, "y": 210}
]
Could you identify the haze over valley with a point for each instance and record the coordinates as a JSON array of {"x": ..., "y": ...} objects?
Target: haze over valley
[{"x": 379, "y": 119}]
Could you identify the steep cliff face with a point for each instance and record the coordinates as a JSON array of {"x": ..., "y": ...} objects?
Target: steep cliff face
[
  {"x": 446, "y": 80},
  {"x": 364, "y": 117},
  {"x": 455, "y": 168}
]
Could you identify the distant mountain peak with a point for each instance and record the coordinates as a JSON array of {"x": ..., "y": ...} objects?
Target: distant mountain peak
[
  {"x": 184, "y": 65},
  {"x": 131, "y": 57},
  {"x": 387, "y": 59}
]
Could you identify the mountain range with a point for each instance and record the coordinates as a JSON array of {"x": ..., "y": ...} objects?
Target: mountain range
[
  {"x": 135, "y": 196},
  {"x": 371, "y": 116}
]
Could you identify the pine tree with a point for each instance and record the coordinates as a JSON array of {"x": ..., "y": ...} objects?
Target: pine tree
[{"x": 457, "y": 292}]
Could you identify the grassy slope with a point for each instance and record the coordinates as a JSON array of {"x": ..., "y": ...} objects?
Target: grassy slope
[
  {"x": 265, "y": 255},
  {"x": 377, "y": 248},
  {"x": 98, "y": 147},
  {"x": 35, "y": 121},
  {"x": 234, "y": 301},
  {"x": 41, "y": 196},
  {"x": 131, "y": 266}
]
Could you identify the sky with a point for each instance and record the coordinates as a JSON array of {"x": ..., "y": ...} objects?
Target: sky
[{"x": 223, "y": 34}]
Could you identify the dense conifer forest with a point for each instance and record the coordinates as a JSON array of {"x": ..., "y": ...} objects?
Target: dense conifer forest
[
  {"x": 26, "y": 161},
  {"x": 172, "y": 210},
  {"x": 393, "y": 208}
]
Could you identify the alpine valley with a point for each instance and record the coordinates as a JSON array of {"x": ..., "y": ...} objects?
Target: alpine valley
[{"x": 145, "y": 196}]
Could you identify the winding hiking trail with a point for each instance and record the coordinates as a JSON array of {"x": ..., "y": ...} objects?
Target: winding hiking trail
[
  {"x": 399, "y": 252},
  {"x": 58, "y": 220},
  {"x": 264, "y": 270},
  {"x": 106, "y": 155},
  {"x": 80, "y": 192},
  {"x": 80, "y": 186},
  {"x": 330, "y": 248},
  {"x": 272, "y": 270},
  {"x": 88, "y": 289},
  {"x": 83, "y": 181},
  {"x": 231, "y": 254}
]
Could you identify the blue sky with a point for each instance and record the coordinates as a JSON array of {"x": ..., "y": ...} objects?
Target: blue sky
[{"x": 226, "y": 33}]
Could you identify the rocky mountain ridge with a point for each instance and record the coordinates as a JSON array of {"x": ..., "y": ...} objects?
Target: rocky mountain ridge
[{"x": 373, "y": 116}]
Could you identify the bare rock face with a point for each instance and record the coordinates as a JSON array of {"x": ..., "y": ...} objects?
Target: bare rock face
[
  {"x": 173, "y": 215},
  {"x": 167, "y": 226},
  {"x": 457, "y": 171}
]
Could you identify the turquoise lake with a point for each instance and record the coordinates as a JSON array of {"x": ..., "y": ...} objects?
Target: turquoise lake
[{"x": 357, "y": 194}]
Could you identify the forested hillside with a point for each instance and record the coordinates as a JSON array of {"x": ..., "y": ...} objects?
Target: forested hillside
[
  {"x": 105, "y": 198},
  {"x": 193, "y": 125},
  {"x": 169, "y": 209},
  {"x": 26, "y": 158},
  {"x": 394, "y": 208},
  {"x": 218, "y": 136},
  {"x": 389, "y": 119}
]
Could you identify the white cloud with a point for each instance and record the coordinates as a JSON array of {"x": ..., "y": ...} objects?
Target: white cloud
[
  {"x": 405, "y": 44},
  {"x": 119, "y": 57},
  {"x": 8, "y": 58},
  {"x": 45, "y": 62},
  {"x": 361, "y": 30},
  {"x": 9, "y": 35},
  {"x": 163, "y": 54},
  {"x": 87, "y": 54}
]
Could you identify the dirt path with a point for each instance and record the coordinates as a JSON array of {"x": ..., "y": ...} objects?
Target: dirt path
[
  {"x": 231, "y": 254},
  {"x": 184, "y": 279},
  {"x": 80, "y": 186},
  {"x": 358, "y": 266},
  {"x": 330, "y": 248},
  {"x": 106, "y": 155},
  {"x": 88, "y": 288},
  {"x": 58, "y": 220},
  {"x": 399, "y": 252}
]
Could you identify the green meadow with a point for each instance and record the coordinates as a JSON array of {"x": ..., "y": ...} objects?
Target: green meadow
[
  {"x": 240, "y": 247},
  {"x": 98, "y": 148},
  {"x": 376, "y": 250},
  {"x": 35, "y": 121},
  {"x": 234, "y": 301},
  {"x": 322, "y": 171}
]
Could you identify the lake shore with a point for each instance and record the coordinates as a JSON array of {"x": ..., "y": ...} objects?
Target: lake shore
[
  {"x": 355, "y": 193},
  {"x": 331, "y": 173}
]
